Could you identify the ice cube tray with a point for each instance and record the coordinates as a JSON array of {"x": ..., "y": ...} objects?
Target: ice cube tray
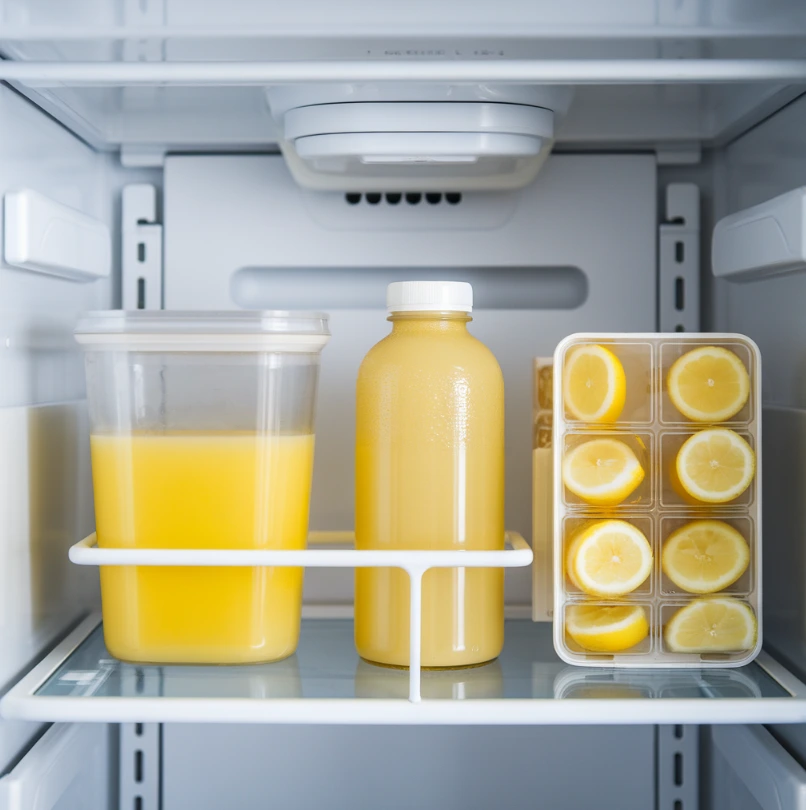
[{"x": 651, "y": 425}]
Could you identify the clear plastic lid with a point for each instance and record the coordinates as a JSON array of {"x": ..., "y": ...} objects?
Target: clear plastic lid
[{"x": 235, "y": 331}]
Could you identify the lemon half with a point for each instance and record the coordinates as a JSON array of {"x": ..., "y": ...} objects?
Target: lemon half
[
  {"x": 705, "y": 556},
  {"x": 712, "y": 624},
  {"x": 708, "y": 384},
  {"x": 605, "y": 628},
  {"x": 602, "y": 471},
  {"x": 609, "y": 558},
  {"x": 715, "y": 465},
  {"x": 594, "y": 385}
]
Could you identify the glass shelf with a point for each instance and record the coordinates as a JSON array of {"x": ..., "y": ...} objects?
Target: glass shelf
[{"x": 326, "y": 682}]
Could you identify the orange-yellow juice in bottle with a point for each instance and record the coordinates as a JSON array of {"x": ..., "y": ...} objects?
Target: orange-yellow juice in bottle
[
  {"x": 204, "y": 490},
  {"x": 430, "y": 475}
]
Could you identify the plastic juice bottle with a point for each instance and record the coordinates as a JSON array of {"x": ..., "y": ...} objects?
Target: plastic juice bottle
[
  {"x": 201, "y": 490},
  {"x": 430, "y": 475}
]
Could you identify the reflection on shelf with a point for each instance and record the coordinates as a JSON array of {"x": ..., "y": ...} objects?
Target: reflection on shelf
[
  {"x": 577, "y": 683},
  {"x": 484, "y": 682},
  {"x": 327, "y": 666}
]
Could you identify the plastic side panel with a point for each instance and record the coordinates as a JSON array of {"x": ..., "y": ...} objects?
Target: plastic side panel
[
  {"x": 784, "y": 529},
  {"x": 39, "y": 360},
  {"x": 45, "y": 491},
  {"x": 751, "y": 771},
  {"x": 45, "y": 502},
  {"x": 793, "y": 737},
  {"x": 68, "y": 769},
  {"x": 210, "y": 767},
  {"x": 597, "y": 213},
  {"x": 767, "y": 162}
]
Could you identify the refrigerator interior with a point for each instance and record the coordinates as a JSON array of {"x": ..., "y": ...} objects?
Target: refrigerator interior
[{"x": 161, "y": 121}]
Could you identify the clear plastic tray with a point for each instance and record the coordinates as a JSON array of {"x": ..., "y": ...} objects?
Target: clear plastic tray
[{"x": 654, "y": 429}]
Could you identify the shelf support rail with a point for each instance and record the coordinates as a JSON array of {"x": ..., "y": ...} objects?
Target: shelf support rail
[
  {"x": 515, "y": 554},
  {"x": 514, "y": 71}
]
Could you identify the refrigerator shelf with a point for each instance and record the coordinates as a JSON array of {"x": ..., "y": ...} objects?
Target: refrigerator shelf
[{"x": 325, "y": 682}]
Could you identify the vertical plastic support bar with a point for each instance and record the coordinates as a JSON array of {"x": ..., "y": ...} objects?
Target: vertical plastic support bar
[{"x": 415, "y": 630}]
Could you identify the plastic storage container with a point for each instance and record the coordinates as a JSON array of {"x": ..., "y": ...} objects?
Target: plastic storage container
[
  {"x": 202, "y": 437},
  {"x": 687, "y": 537},
  {"x": 430, "y": 475}
]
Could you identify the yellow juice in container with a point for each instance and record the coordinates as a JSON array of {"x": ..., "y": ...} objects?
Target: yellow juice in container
[
  {"x": 204, "y": 491},
  {"x": 202, "y": 438},
  {"x": 430, "y": 475}
]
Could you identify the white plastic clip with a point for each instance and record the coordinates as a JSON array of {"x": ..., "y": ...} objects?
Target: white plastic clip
[{"x": 45, "y": 236}]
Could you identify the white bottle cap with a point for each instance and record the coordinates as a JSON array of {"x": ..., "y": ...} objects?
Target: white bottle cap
[{"x": 429, "y": 296}]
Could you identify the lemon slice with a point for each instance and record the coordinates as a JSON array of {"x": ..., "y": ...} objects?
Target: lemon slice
[
  {"x": 712, "y": 624},
  {"x": 715, "y": 465},
  {"x": 594, "y": 385},
  {"x": 673, "y": 482},
  {"x": 705, "y": 556},
  {"x": 602, "y": 628},
  {"x": 571, "y": 555},
  {"x": 709, "y": 384},
  {"x": 602, "y": 471},
  {"x": 610, "y": 558}
]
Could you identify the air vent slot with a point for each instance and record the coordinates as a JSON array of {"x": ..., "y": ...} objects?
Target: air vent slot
[
  {"x": 411, "y": 198},
  {"x": 513, "y": 288}
]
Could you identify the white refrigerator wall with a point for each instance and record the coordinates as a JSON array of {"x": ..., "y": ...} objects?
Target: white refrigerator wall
[
  {"x": 575, "y": 251},
  {"x": 369, "y": 768}
]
